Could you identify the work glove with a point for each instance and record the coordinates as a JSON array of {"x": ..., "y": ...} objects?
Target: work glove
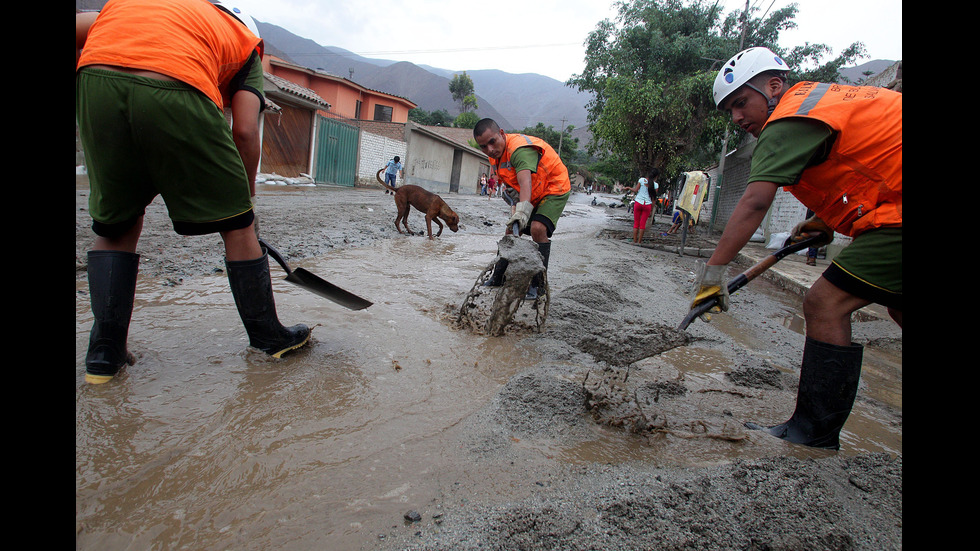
[
  {"x": 522, "y": 215},
  {"x": 811, "y": 227},
  {"x": 711, "y": 282}
]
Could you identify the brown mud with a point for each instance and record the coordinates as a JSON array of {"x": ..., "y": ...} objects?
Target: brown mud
[{"x": 397, "y": 428}]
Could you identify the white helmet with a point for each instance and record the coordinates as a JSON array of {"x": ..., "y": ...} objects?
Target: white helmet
[
  {"x": 642, "y": 181},
  {"x": 240, "y": 15},
  {"x": 741, "y": 68}
]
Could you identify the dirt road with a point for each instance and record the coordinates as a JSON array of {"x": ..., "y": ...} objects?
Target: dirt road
[{"x": 397, "y": 429}]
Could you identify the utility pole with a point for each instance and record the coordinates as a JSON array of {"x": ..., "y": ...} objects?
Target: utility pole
[
  {"x": 724, "y": 143},
  {"x": 561, "y": 136}
]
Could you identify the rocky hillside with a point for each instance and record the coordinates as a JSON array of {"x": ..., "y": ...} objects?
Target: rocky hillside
[{"x": 515, "y": 101}]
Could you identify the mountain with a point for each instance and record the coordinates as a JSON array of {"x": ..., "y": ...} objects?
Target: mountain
[
  {"x": 514, "y": 101},
  {"x": 855, "y": 74}
]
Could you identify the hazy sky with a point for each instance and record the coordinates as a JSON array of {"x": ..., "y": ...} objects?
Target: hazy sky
[{"x": 543, "y": 36}]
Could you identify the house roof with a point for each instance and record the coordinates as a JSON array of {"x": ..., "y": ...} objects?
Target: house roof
[
  {"x": 327, "y": 76},
  {"x": 292, "y": 89},
  {"x": 462, "y": 136},
  {"x": 436, "y": 133}
]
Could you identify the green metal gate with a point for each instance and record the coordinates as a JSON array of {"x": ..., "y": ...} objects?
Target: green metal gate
[{"x": 336, "y": 152}]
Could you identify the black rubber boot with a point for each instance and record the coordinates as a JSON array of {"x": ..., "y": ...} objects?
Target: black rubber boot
[
  {"x": 538, "y": 280},
  {"x": 112, "y": 289},
  {"x": 251, "y": 285},
  {"x": 829, "y": 377},
  {"x": 497, "y": 279}
]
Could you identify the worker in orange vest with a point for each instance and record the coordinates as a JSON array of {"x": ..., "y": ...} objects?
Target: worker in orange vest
[
  {"x": 152, "y": 80},
  {"x": 838, "y": 149},
  {"x": 536, "y": 182}
]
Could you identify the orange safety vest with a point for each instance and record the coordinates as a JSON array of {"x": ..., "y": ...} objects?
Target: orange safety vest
[
  {"x": 189, "y": 40},
  {"x": 551, "y": 177},
  {"x": 859, "y": 186}
]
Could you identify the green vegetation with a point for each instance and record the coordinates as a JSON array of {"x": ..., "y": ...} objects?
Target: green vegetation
[
  {"x": 651, "y": 73},
  {"x": 461, "y": 87}
]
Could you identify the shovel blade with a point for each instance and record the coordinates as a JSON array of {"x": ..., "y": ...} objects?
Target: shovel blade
[{"x": 313, "y": 283}]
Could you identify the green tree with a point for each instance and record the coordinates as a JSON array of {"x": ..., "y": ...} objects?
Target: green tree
[
  {"x": 439, "y": 117},
  {"x": 461, "y": 87},
  {"x": 466, "y": 120},
  {"x": 563, "y": 142},
  {"x": 651, "y": 73}
]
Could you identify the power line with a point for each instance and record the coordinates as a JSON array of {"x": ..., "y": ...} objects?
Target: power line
[{"x": 441, "y": 51}]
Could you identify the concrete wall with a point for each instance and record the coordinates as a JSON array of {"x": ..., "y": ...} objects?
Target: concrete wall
[
  {"x": 427, "y": 160},
  {"x": 469, "y": 178},
  {"x": 429, "y": 164},
  {"x": 733, "y": 184}
]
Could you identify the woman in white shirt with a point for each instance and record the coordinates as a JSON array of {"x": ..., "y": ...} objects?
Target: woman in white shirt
[{"x": 642, "y": 205}]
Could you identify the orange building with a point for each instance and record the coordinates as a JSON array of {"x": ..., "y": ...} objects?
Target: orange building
[{"x": 347, "y": 99}]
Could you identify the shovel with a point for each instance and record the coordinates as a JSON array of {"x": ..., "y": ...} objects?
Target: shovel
[
  {"x": 315, "y": 284},
  {"x": 741, "y": 279},
  {"x": 515, "y": 228}
]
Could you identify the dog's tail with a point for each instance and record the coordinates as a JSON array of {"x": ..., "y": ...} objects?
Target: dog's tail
[{"x": 377, "y": 176}]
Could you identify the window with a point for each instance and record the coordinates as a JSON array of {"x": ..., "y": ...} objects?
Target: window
[
  {"x": 357, "y": 109},
  {"x": 382, "y": 113}
]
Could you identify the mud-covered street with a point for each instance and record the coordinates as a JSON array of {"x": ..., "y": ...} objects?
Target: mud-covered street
[{"x": 398, "y": 427}]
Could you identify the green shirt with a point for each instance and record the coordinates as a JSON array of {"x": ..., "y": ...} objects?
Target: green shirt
[
  {"x": 525, "y": 158},
  {"x": 251, "y": 78},
  {"x": 787, "y": 147}
]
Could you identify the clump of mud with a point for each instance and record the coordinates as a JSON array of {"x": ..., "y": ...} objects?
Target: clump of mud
[
  {"x": 593, "y": 323},
  {"x": 492, "y": 310},
  {"x": 757, "y": 376},
  {"x": 652, "y": 405},
  {"x": 543, "y": 404}
]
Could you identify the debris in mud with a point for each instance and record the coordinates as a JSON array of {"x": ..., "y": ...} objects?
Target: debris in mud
[
  {"x": 591, "y": 326},
  {"x": 636, "y": 341},
  {"x": 491, "y": 310},
  {"x": 762, "y": 376},
  {"x": 655, "y": 407}
]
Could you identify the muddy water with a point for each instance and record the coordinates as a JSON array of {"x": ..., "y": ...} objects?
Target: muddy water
[
  {"x": 204, "y": 444},
  {"x": 881, "y": 374}
]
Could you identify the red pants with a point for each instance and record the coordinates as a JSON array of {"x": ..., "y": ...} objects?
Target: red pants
[{"x": 640, "y": 215}]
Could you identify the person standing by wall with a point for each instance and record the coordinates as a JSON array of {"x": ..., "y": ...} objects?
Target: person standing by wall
[{"x": 393, "y": 170}]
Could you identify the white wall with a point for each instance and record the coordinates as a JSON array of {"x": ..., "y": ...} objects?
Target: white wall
[{"x": 375, "y": 153}]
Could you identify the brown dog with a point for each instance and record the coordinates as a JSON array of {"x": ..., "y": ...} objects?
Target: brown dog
[{"x": 424, "y": 201}]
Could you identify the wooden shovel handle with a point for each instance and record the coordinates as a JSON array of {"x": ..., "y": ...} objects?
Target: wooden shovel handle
[{"x": 748, "y": 275}]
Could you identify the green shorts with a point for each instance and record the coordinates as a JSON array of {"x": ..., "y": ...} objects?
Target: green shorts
[
  {"x": 548, "y": 211},
  {"x": 871, "y": 267},
  {"x": 143, "y": 137}
]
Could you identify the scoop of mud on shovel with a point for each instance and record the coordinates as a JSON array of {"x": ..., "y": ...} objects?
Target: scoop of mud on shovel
[{"x": 524, "y": 261}]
